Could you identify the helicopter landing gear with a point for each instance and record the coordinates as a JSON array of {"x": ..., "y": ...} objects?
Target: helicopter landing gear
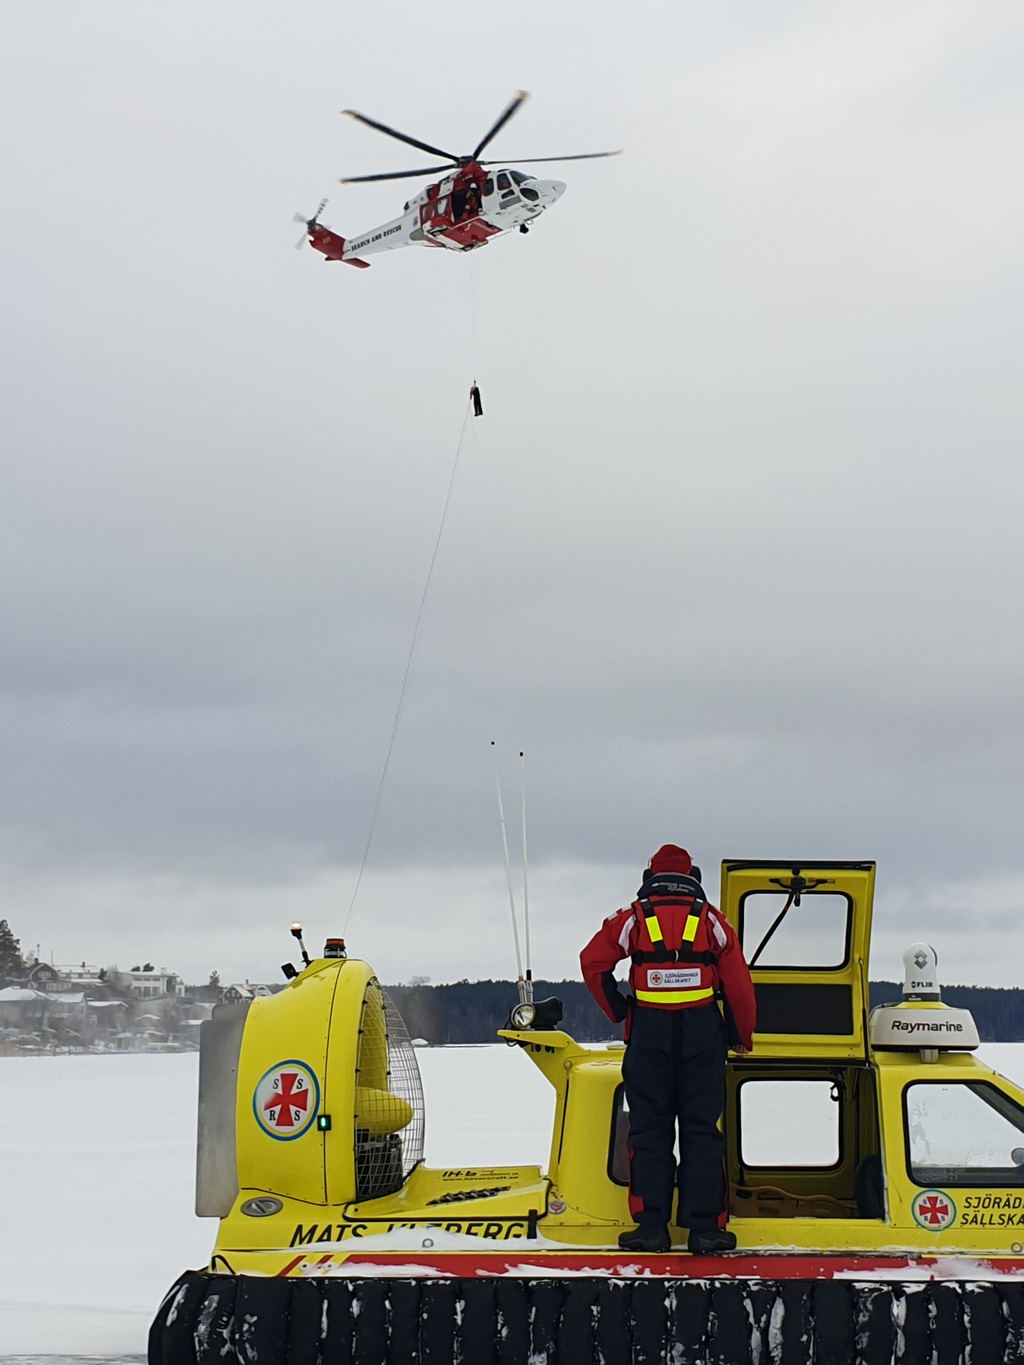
[{"x": 523, "y": 228}]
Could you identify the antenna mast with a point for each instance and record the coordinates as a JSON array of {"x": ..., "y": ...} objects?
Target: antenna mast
[
  {"x": 526, "y": 875},
  {"x": 520, "y": 982}
]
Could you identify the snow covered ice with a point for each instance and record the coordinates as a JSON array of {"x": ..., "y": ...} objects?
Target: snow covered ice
[
  {"x": 97, "y": 1155},
  {"x": 97, "y": 1173}
]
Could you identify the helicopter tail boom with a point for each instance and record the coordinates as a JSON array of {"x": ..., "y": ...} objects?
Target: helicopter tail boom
[{"x": 333, "y": 246}]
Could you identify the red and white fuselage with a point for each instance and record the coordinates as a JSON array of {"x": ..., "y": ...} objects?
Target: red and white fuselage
[{"x": 461, "y": 212}]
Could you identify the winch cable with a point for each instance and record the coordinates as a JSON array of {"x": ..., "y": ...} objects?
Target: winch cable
[
  {"x": 408, "y": 665},
  {"x": 472, "y": 322}
]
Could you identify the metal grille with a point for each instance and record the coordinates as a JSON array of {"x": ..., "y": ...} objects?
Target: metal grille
[{"x": 389, "y": 1113}]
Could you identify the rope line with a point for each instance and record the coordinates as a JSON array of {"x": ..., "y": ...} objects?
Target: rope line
[
  {"x": 408, "y": 668},
  {"x": 472, "y": 310}
]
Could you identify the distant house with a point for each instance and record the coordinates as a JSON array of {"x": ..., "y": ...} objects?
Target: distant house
[
  {"x": 43, "y": 976},
  {"x": 35, "y": 1011},
  {"x": 81, "y": 975},
  {"x": 22, "y": 1007},
  {"x": 148, "y": 983},
  {"x": 244, "y": 990}
]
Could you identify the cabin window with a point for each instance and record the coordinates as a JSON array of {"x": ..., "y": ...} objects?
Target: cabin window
[
  {"x": 963, "y": 1133},
  {"x": 812, "y": 935},
  {"x": 618, "y": 1143},
  {"x": 488, "y": 186},
  {"x": 503, "y": 181},
  {"x": 786, "y": 1124}
]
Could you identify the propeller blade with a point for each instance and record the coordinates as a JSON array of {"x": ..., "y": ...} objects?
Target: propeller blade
[
  {"x": 398, "y": 175},
  {"x": 521, "y": 97},
  {"x": 302, "y": 241},
  {"x": 402, "y": 137},
  {"x": 532, "y": 160},
  {"x": 300, "y": 218}
]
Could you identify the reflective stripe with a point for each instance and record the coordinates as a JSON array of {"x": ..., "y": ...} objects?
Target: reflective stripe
[
  {"x": 654, "y": 928},
  {"x": 674, "y": 997},
  {"x": 627, "y": 929},
  {"x": 690, "y": 928},
  {"x": 719, "y": 931}
]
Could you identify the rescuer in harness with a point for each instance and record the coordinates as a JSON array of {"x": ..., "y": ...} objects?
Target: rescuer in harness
[{"x": 685, "y": 957}]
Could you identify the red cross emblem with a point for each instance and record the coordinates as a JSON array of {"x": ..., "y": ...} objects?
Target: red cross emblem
[
  {"x": 286, "y": 1100},
  {"x": 933, "y": 1210},
  {"x": 290, "y": 1101}
]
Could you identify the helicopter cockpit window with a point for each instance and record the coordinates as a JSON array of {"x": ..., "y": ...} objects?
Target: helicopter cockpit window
[
  {"x": 503, "y": 181},
  {"x": 488, "y": 186},
  {"x": 520, "y": 177}
]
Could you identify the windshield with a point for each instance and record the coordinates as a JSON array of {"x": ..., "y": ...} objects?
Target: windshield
[{"x": 520, "y": 177}]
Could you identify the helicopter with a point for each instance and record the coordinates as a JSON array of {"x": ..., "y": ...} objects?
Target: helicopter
[{"x": 466, "y": 209}]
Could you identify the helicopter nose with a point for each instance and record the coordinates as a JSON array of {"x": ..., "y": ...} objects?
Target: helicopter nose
[{"x": 550, "y": 190}]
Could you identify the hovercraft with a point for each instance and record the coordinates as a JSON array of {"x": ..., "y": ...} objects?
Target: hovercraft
[{"x": 876, "y": 1177}]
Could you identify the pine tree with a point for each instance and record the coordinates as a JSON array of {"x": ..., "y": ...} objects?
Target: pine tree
[
  {"x": 214, "y": 979},
  {"x": 11, "y": 964}
]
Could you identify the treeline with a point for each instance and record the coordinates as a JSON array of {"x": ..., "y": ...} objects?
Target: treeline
[{"x": 471, "y": 1011}]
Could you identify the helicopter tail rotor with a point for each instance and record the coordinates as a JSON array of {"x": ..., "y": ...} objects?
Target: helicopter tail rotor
[{"x": 310, "y": 224}]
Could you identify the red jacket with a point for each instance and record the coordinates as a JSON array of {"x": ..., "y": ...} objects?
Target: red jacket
[{"x": 717, "y": 965}]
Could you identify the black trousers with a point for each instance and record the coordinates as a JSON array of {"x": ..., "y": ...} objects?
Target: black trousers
[{"x": 674, "y": 1072}]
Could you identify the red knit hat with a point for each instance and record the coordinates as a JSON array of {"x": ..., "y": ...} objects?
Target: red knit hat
[{"x": 671, "y": 858}]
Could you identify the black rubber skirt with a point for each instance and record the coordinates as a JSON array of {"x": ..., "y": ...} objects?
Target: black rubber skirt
[{"x": 211, "y": 1319}]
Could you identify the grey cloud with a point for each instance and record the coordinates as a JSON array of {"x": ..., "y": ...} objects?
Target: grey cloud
[{"x": 734, "y": 554}]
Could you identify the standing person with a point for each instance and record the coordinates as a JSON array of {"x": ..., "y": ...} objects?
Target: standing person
[{"x": 684, "y": 958}]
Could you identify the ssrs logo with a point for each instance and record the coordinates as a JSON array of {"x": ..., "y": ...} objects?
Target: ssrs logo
[
  {"x": 286, "y": 1100},
  {"x": 933, "y": 1209}
]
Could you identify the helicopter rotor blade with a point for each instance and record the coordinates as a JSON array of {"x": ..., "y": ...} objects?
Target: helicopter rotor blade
[
  {"x": 512, "y": 108},
  {"x": 300, "y": 218},
  {"x": 402, "y": 137},
  {"x": 532, "y": 160},
  {"x": 302, "y": 241},
  {"x": 397, "y": 175}
]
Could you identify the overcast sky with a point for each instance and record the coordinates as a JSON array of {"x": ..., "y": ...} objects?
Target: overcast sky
[{"x": 734, "y": 553}]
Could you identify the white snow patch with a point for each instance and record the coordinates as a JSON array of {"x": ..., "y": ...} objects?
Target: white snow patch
[{"x": 98, "y": 1163}]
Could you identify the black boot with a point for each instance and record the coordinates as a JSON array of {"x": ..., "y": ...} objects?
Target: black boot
[
  {"x": 647, "y": 1237},
  {"x": 711, "y": 1243}
]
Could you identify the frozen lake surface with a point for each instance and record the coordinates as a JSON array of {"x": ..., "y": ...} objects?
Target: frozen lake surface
[{"x": 97, "y": 1161}]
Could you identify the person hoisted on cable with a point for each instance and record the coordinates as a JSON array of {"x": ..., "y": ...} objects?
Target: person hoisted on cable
[
  {"x": 684, "y": 958},
  {"x": 478, "y": 402}
]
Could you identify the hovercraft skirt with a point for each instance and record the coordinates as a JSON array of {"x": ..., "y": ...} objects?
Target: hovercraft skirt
[{"x": 208, "y": 1319}]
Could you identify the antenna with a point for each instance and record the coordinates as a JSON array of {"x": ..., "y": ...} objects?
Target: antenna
[
  {"x": 508, "y": 878},
  {"x": 526, "y": 875}
]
